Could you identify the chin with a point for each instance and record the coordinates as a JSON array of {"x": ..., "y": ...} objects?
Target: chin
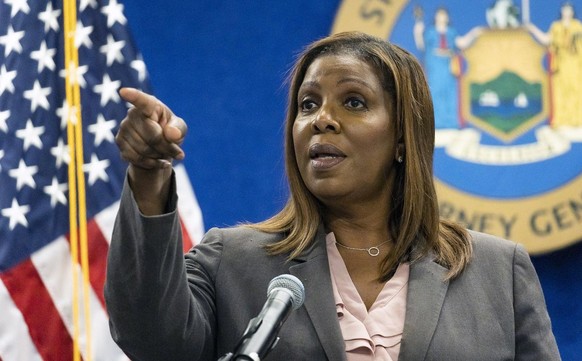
[{"x": 328, "y": 196}]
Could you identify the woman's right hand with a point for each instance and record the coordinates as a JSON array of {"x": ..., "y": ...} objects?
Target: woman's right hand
[
  {"x": 149, "y": 138},
  {"x": 150, "y": 135}
]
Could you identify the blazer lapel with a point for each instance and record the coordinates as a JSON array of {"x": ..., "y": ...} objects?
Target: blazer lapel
[
  {"x": 313, "y": 271},
  {"x": 426, "y": 293}
]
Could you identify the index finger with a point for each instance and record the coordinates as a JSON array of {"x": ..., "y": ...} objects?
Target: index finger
[{"x": 147, "y": 104}]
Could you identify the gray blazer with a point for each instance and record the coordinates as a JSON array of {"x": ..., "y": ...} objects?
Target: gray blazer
[{"x": 164, "y": 308}]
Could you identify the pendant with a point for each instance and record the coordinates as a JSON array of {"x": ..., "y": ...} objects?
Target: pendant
[{"x": 373, "y": 251}]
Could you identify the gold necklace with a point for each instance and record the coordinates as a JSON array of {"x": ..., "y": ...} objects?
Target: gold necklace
[{"x": 372, "y": 251}]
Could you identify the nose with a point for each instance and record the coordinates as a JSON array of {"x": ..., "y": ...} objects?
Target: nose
[{"x": 324, "y": 122}]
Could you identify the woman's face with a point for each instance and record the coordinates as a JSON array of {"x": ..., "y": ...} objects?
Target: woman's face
[
  {"x": 441, "y": 17},
  {"x": 344, "y": 131},
  {"x": 567, "y": 12}
]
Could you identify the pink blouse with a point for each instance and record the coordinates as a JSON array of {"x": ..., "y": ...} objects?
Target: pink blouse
[{"x": 373, "y": 334}]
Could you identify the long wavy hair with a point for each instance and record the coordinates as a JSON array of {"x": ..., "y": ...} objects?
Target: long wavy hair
[{"x": 413, "y": 220}]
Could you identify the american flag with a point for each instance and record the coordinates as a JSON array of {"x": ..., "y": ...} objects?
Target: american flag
[{"x": 36, "y": 287}]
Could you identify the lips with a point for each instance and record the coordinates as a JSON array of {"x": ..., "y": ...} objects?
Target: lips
[
  {"x": 318, "y": 150},
  {"x": 324, "y": 156}
]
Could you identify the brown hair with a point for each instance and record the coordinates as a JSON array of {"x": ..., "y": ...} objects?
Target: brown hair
[{"x": 413, "y": 219}]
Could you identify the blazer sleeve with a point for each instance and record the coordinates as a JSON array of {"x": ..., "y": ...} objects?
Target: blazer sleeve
[
  {"x": 157, "y": 311},
  {"x": 533, "y": 331}
]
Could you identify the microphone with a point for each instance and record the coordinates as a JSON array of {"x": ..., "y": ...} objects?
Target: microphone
[{"x": 285, "y": 293}]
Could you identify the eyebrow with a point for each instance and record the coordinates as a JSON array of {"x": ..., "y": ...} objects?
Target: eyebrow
[
  {"x": 310, "y": 84},
  {"x": 314, "y": 84},
  {"x": 354, "y": 80}
]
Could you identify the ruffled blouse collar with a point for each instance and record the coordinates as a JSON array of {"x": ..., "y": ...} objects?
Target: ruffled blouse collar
[{"x": 374, "y": 334}]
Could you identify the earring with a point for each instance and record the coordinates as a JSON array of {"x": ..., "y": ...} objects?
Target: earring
[{"x": 400, "y": 159}]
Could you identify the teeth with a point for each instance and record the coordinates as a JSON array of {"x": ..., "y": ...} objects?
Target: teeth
[{"x": 324, "y": 151}]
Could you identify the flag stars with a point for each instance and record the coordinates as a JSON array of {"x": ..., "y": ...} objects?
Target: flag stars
[
  {"x": 82, "y": 35},
  {"x": 44, "y": 57},
  {"x": 63, "y": 113},
  {"x": 4, "y": 115},
  {"x": 18, "y": 5},
  {"x": 75, "y": 74},
  {"x": 103, "y": 130},
  {"x": 6, "y": 80},
  {"x": 67, "y": 112},
  {"x": 50, "y": 18},
  {"x": 108, "y": 90},
  {"x": 11, "y": 41},
  {"x": 24, "y": 175},
  {"x": 38, "y": 96},
  {"x": 85, "y": 3},
  {"x": 61, "y": 153},
  {"x": 139, "y": 66},
  {"x": 17, "y": 214},
  {"x": 112, "y": 50},
  {"x": 57, "y": 192},
  {"x": 30, "y": 135},
  {"x": 96, "y": 169},
  {"x": 114, "y": 13}
]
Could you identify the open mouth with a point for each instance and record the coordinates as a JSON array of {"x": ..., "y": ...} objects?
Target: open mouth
[
  {"x": 325, "y": 156},
  {"x": 325, "y": 151}
]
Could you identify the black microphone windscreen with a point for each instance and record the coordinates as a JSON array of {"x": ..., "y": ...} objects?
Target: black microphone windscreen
[{"x": 289, "y": 283}]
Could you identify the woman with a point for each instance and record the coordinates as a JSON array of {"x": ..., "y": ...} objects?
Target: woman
[
  {"x": 384, "y": 278},
  {"x": 440, "y": 44},
  {"x": 565, "y": 41}
]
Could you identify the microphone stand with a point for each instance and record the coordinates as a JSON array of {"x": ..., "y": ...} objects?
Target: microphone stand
[{"x": 252, "y": 327}]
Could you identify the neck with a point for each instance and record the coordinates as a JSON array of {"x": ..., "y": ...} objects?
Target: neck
[
  {"x": 361, "y": 232},
  {"x": 359, "y": 222},
  {"x": 441, "y": 28}
]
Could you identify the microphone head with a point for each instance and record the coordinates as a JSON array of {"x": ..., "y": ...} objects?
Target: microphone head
[{"x": 291, "y": 284}]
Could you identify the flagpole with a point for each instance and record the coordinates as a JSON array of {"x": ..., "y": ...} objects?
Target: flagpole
[
  {"x": 525, "y": 12},
  {"x": 69, "y": 33},
  {"x": 77, "y": 199},
  {"x": 82, "y": 202}
]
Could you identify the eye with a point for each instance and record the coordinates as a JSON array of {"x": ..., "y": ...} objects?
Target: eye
[
  {"x": 307, "y": 105},
  {"x": 355, "y": 103}
]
